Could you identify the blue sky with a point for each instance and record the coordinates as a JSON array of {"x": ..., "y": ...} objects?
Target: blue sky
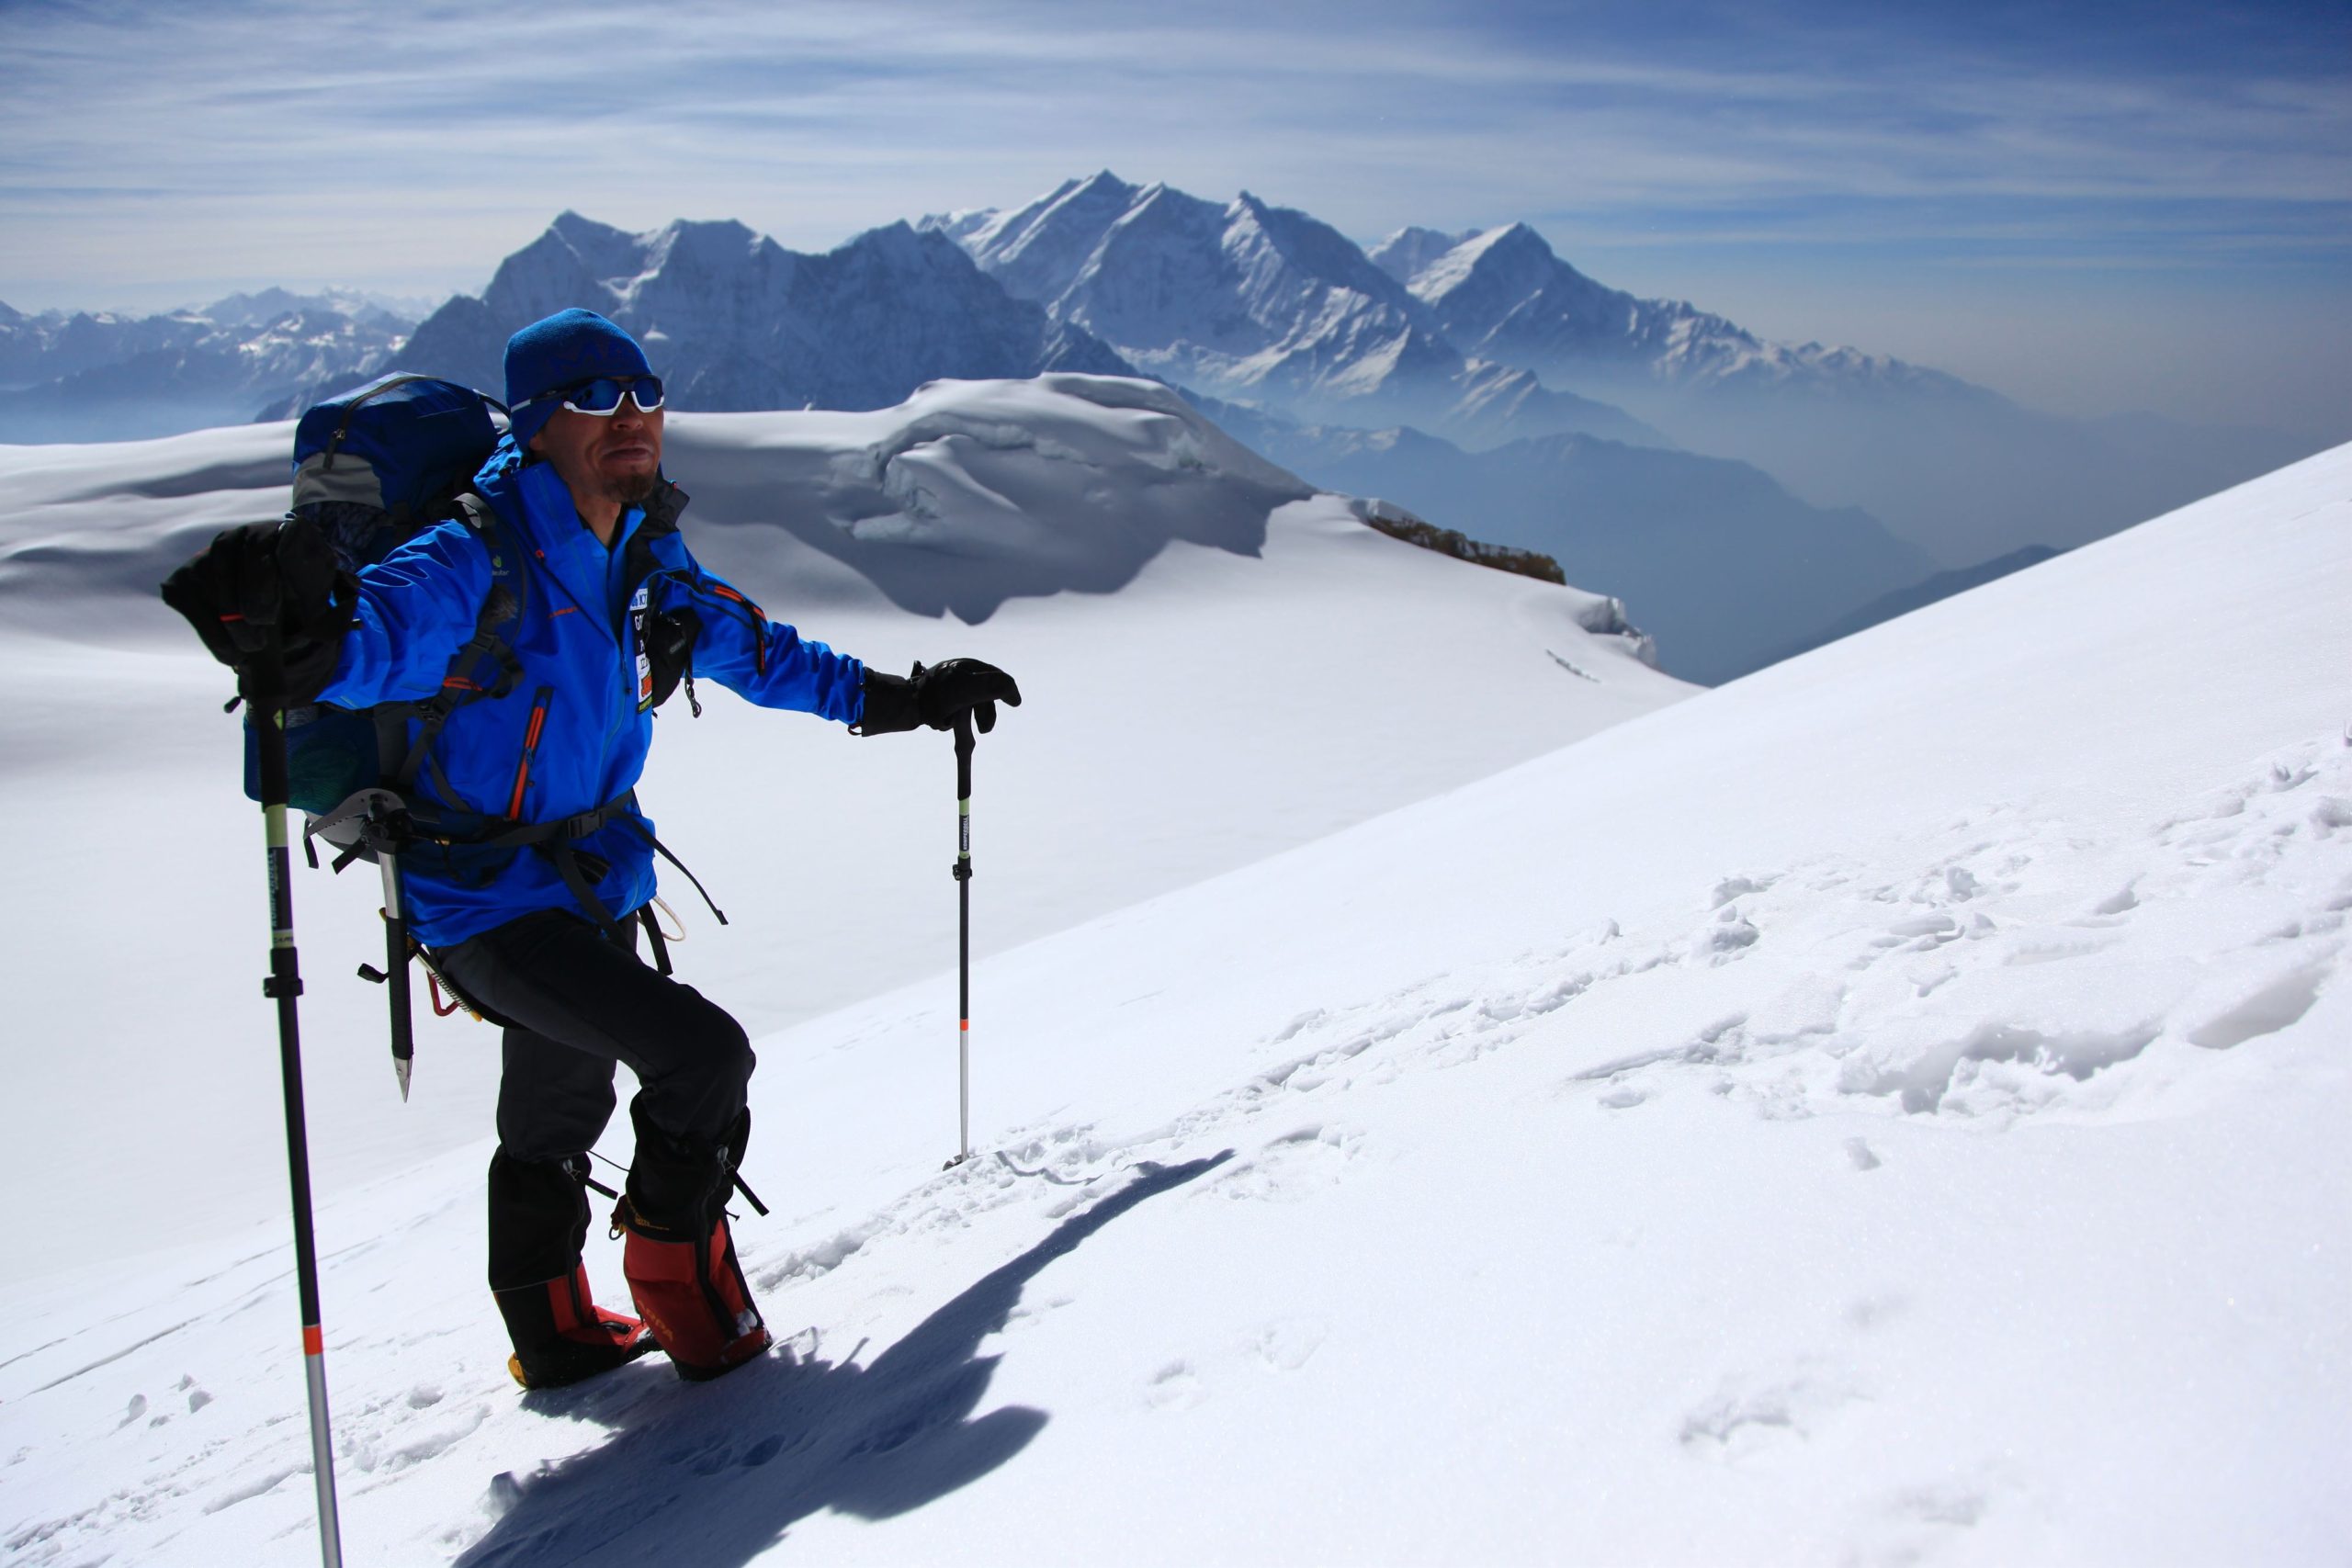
[{"x": 2092, "y": 208}]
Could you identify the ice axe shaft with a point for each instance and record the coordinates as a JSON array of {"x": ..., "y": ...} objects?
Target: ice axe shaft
[{"x": 388, "y": 859}]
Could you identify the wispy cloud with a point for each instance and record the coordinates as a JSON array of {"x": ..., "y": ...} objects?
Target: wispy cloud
[{"x": 410, "y": 149}]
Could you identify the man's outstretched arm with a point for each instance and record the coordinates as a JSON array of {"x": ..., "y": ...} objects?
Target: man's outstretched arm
[{"x": 770, "y": 663}]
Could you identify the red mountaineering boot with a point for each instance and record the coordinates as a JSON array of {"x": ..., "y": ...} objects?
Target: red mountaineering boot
[
  {"x": 561, "y": 1336},
  {"x": 692, "y": 1294}
]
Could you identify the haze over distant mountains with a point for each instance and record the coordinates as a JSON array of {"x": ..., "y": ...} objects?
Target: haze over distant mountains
[
  {"x": 104, "y": 377},
  {"x": 1339, "y": 331},
  {"x": 1742, "y": 496},
  {"x": 1959, "y": 470}
]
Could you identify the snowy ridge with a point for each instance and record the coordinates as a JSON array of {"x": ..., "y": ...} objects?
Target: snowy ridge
[
  {"x": 969, "y": 495},
  {"x": 736, "y": 321},
  {"x": 1252, "y": 301},
  {"x": 1504, "y": 293},
  {"x": 1887, "y": 1109}
]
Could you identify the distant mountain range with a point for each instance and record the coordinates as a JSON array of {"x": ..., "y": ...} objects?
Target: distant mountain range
[
  {"x": 104, "y": 377},
  {"x": 738, "y": 322},
  {"x": 1259, "y": 305},
  {"x": 1504, "y": 294},
  {"x": 1250, "y": 301},
  {"x": 1477, "y": 378},
  {"x": 1958, "y": 469}
]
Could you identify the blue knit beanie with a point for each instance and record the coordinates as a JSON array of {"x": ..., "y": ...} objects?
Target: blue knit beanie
[{"x": 563, "y": 350}]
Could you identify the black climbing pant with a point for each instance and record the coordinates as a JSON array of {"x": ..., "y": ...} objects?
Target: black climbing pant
[{"x": 573, "y": 1004}]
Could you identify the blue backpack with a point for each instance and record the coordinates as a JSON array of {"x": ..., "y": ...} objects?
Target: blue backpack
[{"x": 373, "y": 468}]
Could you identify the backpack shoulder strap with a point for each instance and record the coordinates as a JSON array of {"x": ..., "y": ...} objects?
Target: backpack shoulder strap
[{"x": 483, "y": 666}]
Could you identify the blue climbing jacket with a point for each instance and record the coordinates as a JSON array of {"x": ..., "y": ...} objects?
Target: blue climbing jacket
[{"x": 568, "y": 742}]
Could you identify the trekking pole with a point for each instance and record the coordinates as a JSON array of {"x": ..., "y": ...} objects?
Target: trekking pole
[
  {"x": 285, "y": 985},
  {"x": 963, "y": 871}
]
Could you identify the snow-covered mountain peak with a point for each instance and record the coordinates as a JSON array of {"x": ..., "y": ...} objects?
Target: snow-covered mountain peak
[
  {"x": 696, "y": 237},
  {"x": 267, "y": 305},
  {"x": 903, "y": 243},
  {"x": 1106, "y": 186},
  {"x": 1504, "y": 293},
  {"x": 1409, "y": 250},
  {"x": 1040, "y": 247},
  {"x": 1513, "y": 260},
  {"x": 1319, "y": 251},
  {"x": 598, "y": 248},
  {"x": 743, "y": 323},
  {"x": 1246, "y": 298}
]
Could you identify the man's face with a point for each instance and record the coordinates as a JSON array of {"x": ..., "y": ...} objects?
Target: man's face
[{"x": 608, "y": 457}]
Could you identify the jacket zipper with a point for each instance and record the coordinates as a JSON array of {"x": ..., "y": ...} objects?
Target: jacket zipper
[{"x": 530, "y": 749}]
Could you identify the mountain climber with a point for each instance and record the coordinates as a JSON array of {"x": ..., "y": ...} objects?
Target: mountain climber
[{"x": 537, "y": 926}]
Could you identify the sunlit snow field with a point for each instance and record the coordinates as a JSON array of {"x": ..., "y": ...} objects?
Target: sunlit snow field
[{"x": 1887, "y": 1108}]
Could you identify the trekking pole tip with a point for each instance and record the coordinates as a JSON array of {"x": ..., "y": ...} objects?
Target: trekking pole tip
[{"x": 401, "y": 1071}]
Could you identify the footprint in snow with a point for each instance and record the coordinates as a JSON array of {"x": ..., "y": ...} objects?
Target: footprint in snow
[
  {"x": 1294, "y": 1167},
  {"x": 2121, "y": 902},
  {"x": 1745, "y": 1417},
  {"x": 1175, "y": 1387},
  {"x": 1924, "y": 1078},
  {"x": 1917, "y": 933},
  {"x": 1289, "y": 1344},
  {"x": 1728, "y": 938},
  {"x": 1732, "y": 887}
]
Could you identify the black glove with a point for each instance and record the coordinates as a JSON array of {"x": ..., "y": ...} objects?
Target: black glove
[
  {"x": 936, "y": 696},
  {"x": 268, "y": 594},
  {"x": 945, "y": 691}
]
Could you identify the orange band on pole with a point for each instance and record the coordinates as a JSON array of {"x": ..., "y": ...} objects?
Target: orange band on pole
[{"x": 315, "y": 1341}]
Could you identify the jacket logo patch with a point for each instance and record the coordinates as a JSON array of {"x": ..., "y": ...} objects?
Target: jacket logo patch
[{"x": 640, "y": 607}]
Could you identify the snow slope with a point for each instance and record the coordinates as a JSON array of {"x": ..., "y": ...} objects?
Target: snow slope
[
  {"x": 1219, "y": 665},
  {"x": 1887, "y": 1109}
]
